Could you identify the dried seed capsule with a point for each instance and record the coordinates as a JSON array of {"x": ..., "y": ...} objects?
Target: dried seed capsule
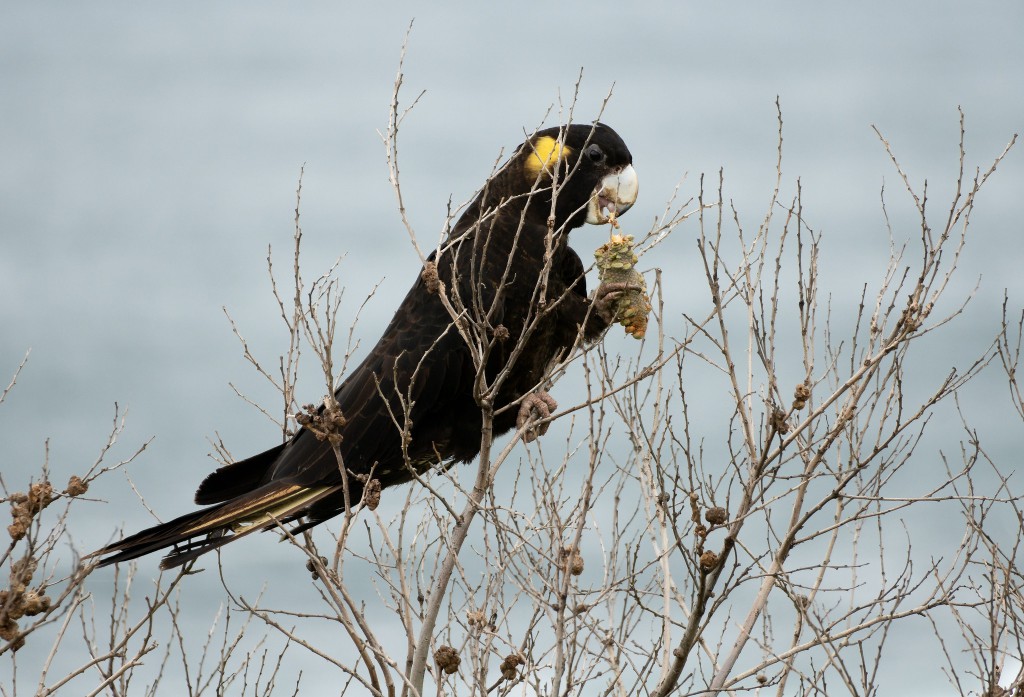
[
  {"x": 509, "y": 665},
  {"x": 570, "y": 560},
  {"x": 371, "y": 494},
  {"x": 716, "y": 515},
  {"x": 708, "y": 560},
  {"x": 800, "y": 396},
  {"x": 447, "y": 659}
]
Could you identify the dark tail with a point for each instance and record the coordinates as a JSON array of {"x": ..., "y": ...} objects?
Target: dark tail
[
  {"x": 205, "y": 530},
  {"x": 238, "y": 478}
]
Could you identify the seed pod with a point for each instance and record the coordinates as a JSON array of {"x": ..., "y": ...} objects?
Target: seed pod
[
  {"x": 800, "y": 396},
  {"x": 616, "y": 263},
  {"x": 311, "y": 567},
  {"x": 36, "y": 603},
  {"x": 447, "y": 659},
  {"x": 371, "y": 494},
  {"x": 509, "y": 665},
  {"x": 708, "y": 560},
  {"x": 76, "y": 486},
  {"x": 570, "y": 560},
  {"x": 716, "y": 515},
  {"x": 431, "y": 280}
]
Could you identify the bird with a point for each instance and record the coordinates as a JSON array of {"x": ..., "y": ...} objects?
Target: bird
[{"x": 499, "y": 301}]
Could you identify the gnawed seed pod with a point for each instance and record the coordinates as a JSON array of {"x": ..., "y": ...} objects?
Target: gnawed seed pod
[
  {"x": 447, "y": 659},
  {"x": 325, "y": 424},
  {"x": 371, "y": 494},
  {"x": 616, "y": 263},
  {"x": 22, "y": 572},
  {"x": 40, "y": 495},
  {"x": 22, "y": 519},
  {"x": 431, "y": 280},
  {"x": 509, "y": 665},
  {"x": 311, "y": 567},
  {"x": 9, "y": 632},
  {"x": 716, "y": 515},
  {"x": 708, "y": 560},
  {"x": 19, "y": 528},
  {"x": 800, "y": 396},
  {"x": 24, "y": 507},
  {"x": 570, "y": 560},
  {"x": 777, "y": 420},
  {"x": 12, "y": 606},
  {"x": 36, "y": 603},
  {"x": 8, "y": 628},
  {"x": 76, "y": 486}
]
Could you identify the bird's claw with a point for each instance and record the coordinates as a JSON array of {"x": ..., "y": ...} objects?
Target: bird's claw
[
  {"x": 535, "y": 406},
  {"x": 606, "y": 298}
]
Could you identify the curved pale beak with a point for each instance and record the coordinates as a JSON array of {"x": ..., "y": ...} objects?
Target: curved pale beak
[{"x": 614, "y": 195}]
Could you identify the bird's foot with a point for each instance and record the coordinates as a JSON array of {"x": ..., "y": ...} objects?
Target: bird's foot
[
  {"x": 606, "y": 299},
  {"x": 537, "y": 405}
]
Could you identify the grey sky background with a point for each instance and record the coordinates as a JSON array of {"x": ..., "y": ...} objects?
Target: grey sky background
[{"x": 149, "y": 154}]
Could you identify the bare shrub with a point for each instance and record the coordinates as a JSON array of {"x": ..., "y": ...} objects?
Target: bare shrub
[{"x": 748, "y": 533}]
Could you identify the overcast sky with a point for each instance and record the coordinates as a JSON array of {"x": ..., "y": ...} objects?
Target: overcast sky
[{"x": 149, "y": 154}]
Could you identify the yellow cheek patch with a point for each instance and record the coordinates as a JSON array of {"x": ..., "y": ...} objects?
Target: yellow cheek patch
[{"x": 546, "y": 152}]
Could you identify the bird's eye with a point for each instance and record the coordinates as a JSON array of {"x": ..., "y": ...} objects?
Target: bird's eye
[{"x": 595, "y": 153}]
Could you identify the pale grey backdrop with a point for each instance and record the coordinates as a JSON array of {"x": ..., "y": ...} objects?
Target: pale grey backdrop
[{"x": 149, "y": 154}]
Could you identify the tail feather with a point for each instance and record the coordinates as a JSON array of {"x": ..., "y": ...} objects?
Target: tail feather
[
  {"x": 260, "y": 510},
  {"x": 150, "y": 540},
  {"x": 238, "y": 478}
]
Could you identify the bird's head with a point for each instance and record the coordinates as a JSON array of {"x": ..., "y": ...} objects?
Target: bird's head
[{"x": 589, "y": 169}]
